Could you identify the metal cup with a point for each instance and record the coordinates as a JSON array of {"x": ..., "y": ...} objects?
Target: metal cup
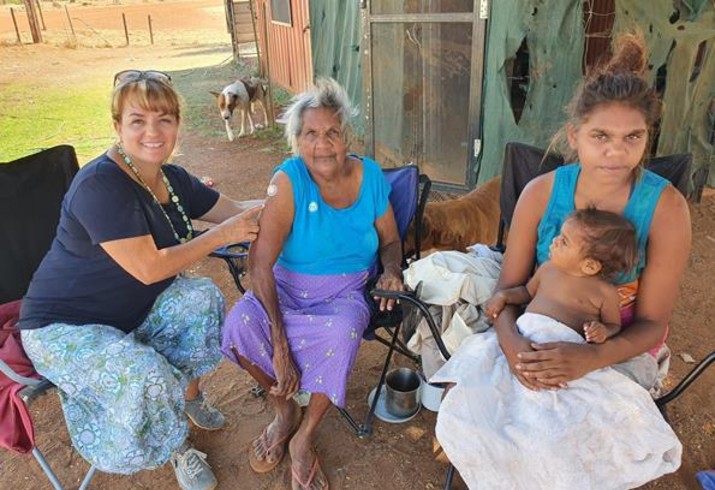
[{"x": 402, "y": 392}]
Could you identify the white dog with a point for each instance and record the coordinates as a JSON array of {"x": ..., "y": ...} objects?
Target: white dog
[{"x": 243, "y": 94}]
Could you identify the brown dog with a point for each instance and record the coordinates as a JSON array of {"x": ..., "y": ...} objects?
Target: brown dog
[{"x": 459, "y": 223}]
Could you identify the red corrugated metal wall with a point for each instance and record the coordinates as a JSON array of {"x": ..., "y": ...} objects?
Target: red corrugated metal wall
[{"x": 289, "y": 50}]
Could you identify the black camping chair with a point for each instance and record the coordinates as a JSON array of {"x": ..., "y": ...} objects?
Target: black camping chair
[
  {"x": 408, "y": 198},
  {"x": 31, "y": 192},
  {"x": 522, "y": 163}
]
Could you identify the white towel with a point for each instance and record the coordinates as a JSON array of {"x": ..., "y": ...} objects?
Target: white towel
[{"x": 602, "y": 432}]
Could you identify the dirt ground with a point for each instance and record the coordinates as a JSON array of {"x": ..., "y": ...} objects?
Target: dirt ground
[{"x": 396, "y": 456}]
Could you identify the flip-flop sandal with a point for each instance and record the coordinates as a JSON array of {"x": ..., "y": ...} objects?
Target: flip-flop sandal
[
  {"x": 315, "y": 469},
  {"x": 263, "y": 465}
]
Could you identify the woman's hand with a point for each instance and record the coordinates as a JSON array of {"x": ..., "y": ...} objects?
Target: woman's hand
[
  {"x": 242, "y": 227},
  {"x": 389, "y": 280},
  {"x": 513, "y": 349},
  {"x": 287, "y": 377},
  {"x": 554, "y": 364}
]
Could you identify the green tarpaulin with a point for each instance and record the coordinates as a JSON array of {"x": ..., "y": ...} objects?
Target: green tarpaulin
[{"x": 554, "y": 33}]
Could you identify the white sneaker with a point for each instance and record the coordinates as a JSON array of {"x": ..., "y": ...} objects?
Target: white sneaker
[{"x": 192, "y": 470}]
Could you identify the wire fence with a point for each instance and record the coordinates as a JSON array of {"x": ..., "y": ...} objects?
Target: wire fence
[{"x": 110, "y": 24}]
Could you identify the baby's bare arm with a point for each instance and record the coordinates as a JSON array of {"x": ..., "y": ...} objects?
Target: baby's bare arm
[
  {"x": 610, "y": 324},
  {"x": 611, "y": 310},
  {"x": 519, "y": 295},
  {"x": 511, "y": 296}
]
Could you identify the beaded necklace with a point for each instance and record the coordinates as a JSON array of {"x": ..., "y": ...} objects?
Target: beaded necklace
[{"x": 172, "y": 196}]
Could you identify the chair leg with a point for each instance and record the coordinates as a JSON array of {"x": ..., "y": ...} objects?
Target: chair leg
[
  {"x": 365, "y": 429},
  {"x": 53, "y": 478},
  {"x": 46, "y": 468},
  {"x": 680, "y": 388},
  {"x": 88, "y": 478},
  {"x": 448, "y": 479},
  {"x": 399, "y": 346}
]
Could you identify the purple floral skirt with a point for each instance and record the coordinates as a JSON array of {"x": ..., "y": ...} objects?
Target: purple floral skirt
[{"x": 324, "y": 318}]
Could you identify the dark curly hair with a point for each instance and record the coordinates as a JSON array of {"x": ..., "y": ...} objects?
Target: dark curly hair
[{"x": 609, "y": 238}]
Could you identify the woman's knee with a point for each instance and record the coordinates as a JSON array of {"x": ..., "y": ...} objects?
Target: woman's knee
[
  {"x": 189, "y": 307},
  {"x": 201, "y": 295},
  {"x": 246, "y": 325},
  {"x": 188, "y": 298}
]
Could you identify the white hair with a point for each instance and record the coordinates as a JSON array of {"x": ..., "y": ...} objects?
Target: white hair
[{"x": 325, "y": 94}]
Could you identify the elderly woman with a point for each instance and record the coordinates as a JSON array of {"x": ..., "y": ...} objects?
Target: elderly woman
[
  {"x": 326, "y": 222},
  {"x": 109, "y": 319}
]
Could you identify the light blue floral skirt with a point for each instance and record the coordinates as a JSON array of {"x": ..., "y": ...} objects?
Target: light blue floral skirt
[{"x": 123, "y": 394}]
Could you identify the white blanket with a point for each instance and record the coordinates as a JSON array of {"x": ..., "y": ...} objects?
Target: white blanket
[
  {"x": 454, "y": 284},
  {"x": 602, "y": 432},
  {"x": 449, "y": 277}
]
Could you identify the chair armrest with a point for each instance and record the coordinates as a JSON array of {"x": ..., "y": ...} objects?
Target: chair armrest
[
  {"x": 412, "y": 298},
  {"x": 235, "y": 255},
  {"x": 390, "y": 294},
  {"x": 232, "y": 251},
  {"x": 685, "y": 382},
  {"x": 17, "y": 378}
]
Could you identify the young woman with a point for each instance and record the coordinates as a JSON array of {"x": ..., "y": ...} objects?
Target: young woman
[{"x": 607, "y": 133}]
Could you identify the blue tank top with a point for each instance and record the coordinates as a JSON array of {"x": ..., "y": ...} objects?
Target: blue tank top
[
  {"x": 639, "y": 210},
  {"x": 324, "y": 240}
]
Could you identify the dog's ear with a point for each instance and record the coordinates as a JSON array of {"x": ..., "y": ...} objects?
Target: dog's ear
[{"x": 214, "y": 93}]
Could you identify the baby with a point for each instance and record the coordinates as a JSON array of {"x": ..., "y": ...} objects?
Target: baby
[{"x": 573, "y": 286}]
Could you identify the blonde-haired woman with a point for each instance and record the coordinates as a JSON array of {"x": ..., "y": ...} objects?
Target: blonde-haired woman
[{"x": 109, "y": 318}]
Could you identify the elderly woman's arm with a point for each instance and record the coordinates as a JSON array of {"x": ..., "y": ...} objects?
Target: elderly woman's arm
[
  {"x": 667, "y": 254},
  {"x": 276, "y": 221},
  {"x": 390, "y": 257}
]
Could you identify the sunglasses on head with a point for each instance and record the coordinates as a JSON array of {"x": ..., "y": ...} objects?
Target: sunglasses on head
[{"x": 136, "y": 75}]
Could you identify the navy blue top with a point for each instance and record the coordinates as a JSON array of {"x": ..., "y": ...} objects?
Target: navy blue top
[
  {"x": 77, "y": 282},
  {"x": 324, "y": 240}
]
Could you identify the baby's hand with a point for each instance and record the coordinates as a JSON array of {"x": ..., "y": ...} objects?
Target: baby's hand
[
  {"x": 494, "y": 306},
  {"x": 597, "y": 332}
]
